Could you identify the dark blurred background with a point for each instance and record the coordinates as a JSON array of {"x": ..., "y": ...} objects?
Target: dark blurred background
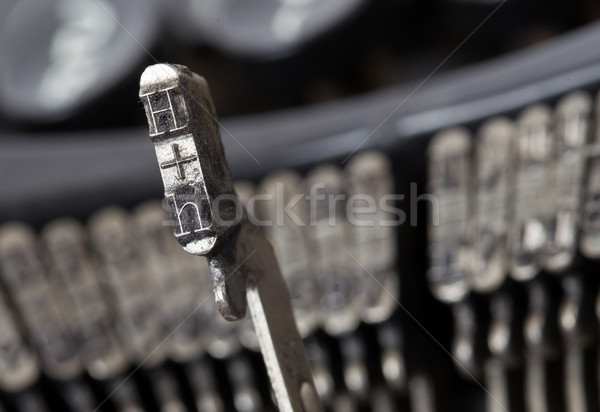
[
  {"x": 295, "y": 82},
  {"x": 75, "y": 64}
]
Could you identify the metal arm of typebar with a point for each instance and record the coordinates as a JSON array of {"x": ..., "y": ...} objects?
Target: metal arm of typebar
[{"x": 206, "y": 216}]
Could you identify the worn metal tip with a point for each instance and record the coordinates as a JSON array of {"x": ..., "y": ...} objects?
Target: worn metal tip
[{"x": 158, "y": 75}]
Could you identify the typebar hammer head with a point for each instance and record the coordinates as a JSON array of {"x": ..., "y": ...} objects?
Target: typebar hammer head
[{"x": 185, "y": 132}]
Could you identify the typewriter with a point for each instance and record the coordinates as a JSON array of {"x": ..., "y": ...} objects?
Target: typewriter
[{"x": 426, "y": 172}]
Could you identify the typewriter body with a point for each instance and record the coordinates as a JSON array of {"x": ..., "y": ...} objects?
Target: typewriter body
[{"x": 427, "y": 174}]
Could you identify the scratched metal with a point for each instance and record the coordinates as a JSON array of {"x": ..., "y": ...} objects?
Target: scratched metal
[
  {"x": 244, "y": 270},
  {"x": 184, "y": 129}
]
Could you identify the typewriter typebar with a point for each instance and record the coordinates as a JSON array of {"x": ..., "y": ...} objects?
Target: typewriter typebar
[
  {"x": 590, "y": 229},
  {"x": 49, "y": 328},
  {"x": 20, "y": 366},
  {"x": 541, "y": 337},
  {"x": 129, "y": 291},
  {"x": 246, "y": 335},
  {"x": 287, "y": 235},
  {"x": 493, "y": 165},
  {"x": 577, "y": 323},
  {"x": 572, "y": 118},
  {"x": 373, "y": 242},
  {"x": 530, "y": 224},
  {"x": 182, "y": 121},
  {"x": 77, "y": 286},
  {"x": 329, "y": 241},
  {"x": 108, "y": 275},
  {"x": 449, "y": 164},
  {"x": 504, "y": 362}
]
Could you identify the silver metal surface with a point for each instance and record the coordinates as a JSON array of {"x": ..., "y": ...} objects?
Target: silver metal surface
[
  {"x": 449, "y": 174},
  {"x": 571, "y": 137},
  {"x": 354, "y": 368},
  {"x": 464, "y": 344},
  {"x": 25, "y": 278},
  {"x": 529, "y": 232},
  {"x": 74, "y": 280},
  {"x": 541, "y": 333},
  {"x": 176, "y": 287},
  {"x": 590, "y": 224},
  {"x": 505, "y": 330},
  {"x": 245, "y": 191},
  {"x": 328, "y": 238},
  {"x": 245, "y": 273},
  {"x": 494, "y": 167},
  {"x": 19, "y": 366},
  {"x": 269, "y": 304},
  {"x": 130, "y": 292},
  {"x": 497, "y": 399},
  {"x": 184, "y": 130},
  {"x": 393, "y": 365},
  {"x": 577, "y": 324},
  {"x": 505, "y": 351},
  {"x": 320, "y": 363},
  {"x": 284, "y": 205},
  {"x": 373, "y": 233},
  {"x": 218, "y": 337}
]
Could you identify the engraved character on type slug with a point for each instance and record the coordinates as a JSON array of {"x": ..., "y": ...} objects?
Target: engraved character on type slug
[
  {"x": 161, "y": 112},
  {"x": 186, "y": 214}
]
